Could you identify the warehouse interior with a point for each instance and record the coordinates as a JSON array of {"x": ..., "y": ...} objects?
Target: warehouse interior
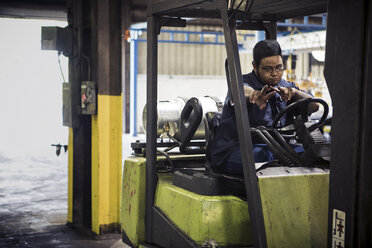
[{"x": 75, "y": 84}]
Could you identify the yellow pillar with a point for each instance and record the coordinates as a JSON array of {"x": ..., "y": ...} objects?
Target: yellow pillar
[
  {"x": 70, "y": 175},
  {"x": 106, "y": 163}
]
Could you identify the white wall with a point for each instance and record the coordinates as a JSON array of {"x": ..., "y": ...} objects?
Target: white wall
[{"x": 31, "y": 89}]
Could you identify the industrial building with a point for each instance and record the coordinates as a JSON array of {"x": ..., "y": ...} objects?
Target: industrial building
[{"x": 109, "y": 109}]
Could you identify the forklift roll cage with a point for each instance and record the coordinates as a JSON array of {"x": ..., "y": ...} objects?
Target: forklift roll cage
[{"x": 263, "y": 16}]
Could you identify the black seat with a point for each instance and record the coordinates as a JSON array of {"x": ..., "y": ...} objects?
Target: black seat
[
  {"x": 211, "y": 123},
  {"x": 209, "y": 182}
]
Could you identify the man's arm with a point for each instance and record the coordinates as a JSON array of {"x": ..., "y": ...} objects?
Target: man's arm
[{"x": 288, "y": 93}]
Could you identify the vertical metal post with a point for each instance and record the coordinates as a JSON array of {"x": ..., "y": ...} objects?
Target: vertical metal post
[
  {"x": 81, "y": 195},
  {"x": 364, "y": 227},
  {"x": 241, "y": 114},
  {"x": 260, "y": 35},
  {"x": 132, "y": 96},
  {"x": 348, "y": 76},
  {"x": 126, "y": 22},
  {"x": 270, "y": 31},
  {"x": 324, "y": 19},
  {"x": 135, "y": 77},
  {"x": 152, "y": 95},
  {"x": 306, "y": 20}
]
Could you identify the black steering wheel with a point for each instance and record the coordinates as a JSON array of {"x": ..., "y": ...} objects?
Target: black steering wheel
[{"x": 302, "y": 106}]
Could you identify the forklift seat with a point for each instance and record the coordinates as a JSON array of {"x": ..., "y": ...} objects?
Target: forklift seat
[
  {"x": 209, "y": 182},
  {"x": 211, "y": 123}
]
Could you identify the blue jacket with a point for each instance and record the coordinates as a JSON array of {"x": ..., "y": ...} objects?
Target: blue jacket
[{"x": 226, "y": 139}]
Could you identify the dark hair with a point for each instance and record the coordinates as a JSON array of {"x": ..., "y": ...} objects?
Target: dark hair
[{"x": 265, "y": 48}]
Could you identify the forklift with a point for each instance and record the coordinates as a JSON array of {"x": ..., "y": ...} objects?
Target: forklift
[{"x": 176, "y": 200}]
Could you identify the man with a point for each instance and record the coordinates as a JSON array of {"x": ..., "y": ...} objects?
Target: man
[{"x": 267, "y": 94}]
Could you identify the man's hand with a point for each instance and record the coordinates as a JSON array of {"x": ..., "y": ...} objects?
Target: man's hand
[
  {"x": 286, "y": 93},
  {"x": 260, "y": 97}
]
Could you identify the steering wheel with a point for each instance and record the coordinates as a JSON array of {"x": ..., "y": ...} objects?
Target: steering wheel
[{"x": 302, "y": 106}]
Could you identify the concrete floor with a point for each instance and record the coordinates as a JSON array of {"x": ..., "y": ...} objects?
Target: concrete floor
[{"x": 33, "y": 202}]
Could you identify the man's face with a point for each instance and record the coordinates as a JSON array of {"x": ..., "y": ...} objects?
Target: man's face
[{"x": 270, "y": 70}]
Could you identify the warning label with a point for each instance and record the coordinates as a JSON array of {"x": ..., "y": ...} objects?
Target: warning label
[{"x": 338, "y": 229}]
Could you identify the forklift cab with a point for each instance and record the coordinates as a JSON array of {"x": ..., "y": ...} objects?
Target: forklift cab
[{"x": 174, "y": 201}]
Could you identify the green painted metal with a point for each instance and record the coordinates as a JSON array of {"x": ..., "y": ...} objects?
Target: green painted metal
[
  {"x": 132, "y": 213},
  {"x": 216, "y": 219},
  {"x": 295, "y": 209},
  {"x": 132, "y": 210}
]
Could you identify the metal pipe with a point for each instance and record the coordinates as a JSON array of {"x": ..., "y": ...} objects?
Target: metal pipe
[{"x": 301, "y": 25}]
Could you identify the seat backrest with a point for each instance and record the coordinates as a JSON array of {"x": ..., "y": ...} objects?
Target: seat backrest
[
  {"x": 211, "y": 122},
  {"x": 191, "y": 117}
]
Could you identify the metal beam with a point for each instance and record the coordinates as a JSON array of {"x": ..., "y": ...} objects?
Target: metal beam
[
  {"x": 126, "y": 22},
  {"x": 348, "y": 75},
  {"x": 244, "y": 133},
  {"x": 261, "y": 9},
  {"x": 51, "y": 10},
  {"x": 364, "y": 228},
  {"x": 152, "y": 96},
  {"x": 81, "y": 180},
  {"x": 170, "y": 6}
]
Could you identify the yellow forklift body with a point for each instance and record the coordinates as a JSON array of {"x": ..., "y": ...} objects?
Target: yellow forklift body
[
  {"x": 223, "y": 220},
  {"x": 132, "y": 212},
  {"x": 295, "y": 208},
  {"x": 294, "y": 200}
]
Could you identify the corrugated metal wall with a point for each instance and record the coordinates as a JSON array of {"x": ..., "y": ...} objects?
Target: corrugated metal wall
[
  {"x": 189, "y": 70},
  {"x": 208, "y": 60},
  {"x": 192, "y": 59}
]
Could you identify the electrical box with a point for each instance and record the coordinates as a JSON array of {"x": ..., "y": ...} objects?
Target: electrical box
[
  {"x": 66, "y": 104},
  {"x": 57, "y": 39},
  {"x": 70, "y": 105},
  {"x": 88, "y": 98}
]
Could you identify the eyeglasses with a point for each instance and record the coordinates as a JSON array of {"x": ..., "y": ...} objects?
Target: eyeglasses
[{"x": 269, "y": 69}]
